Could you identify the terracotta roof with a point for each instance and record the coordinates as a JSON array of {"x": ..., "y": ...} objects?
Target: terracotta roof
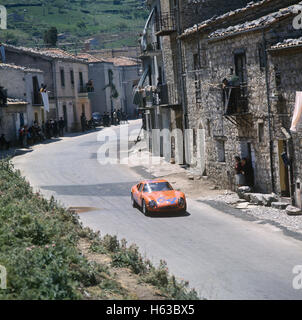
[
  {"x": 5, "y": 66},
  {"x": 255, "y": 24},
  {"x": 53, "y": 53},
  {"x": 288, "y": 43},
  {"x": 122, "y": 61},
  {"x": 90, "y": 58},
  {"x": 216, "y": 19},
  {"x": 229, "y": 15}
]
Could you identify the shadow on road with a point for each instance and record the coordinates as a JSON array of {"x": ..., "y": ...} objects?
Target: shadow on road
[
  {"x": 120, "y": 189},
  {"x": 166, "y": 215}
]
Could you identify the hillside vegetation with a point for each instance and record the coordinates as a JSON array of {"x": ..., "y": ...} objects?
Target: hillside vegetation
[
  {"x": 49, "y": 255},
  {"x": 114, "y": 23}
]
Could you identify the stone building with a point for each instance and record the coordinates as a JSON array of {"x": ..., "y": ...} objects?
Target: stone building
[
  {"x": 66, "y": 77},
  {"x": 122, "y": 72},
  {"x": 240, "y": 89},
  {"x": 24, "y": 104},
  {"x": 162, "y": 56}
]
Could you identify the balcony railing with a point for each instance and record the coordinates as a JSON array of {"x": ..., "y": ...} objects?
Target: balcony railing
[
  {"x": 36, "y": 99},
  {"x": 235, "y": 100},
  {"x": 165, "y": 23},
  {"x": 163, "y": 95},
  {"x": 152, "y": 48},
  {"x": 168, "y": 94},
  {"x": 86, "y": 89}
]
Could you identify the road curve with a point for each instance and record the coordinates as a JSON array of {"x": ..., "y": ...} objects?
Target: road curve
[{"x": 223, "y": 257}]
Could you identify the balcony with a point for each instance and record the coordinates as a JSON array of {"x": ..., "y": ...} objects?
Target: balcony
[
  {"x": 235, "y": 100},
  {"x": 166, "y": 23},
  {"x": 164, "y": 95},
  {"x": 85, "y": 90},
  {"x": 36, "y": 99},
  {"x": 168, "y": 95},
  {"x": 152, "y": 49}
]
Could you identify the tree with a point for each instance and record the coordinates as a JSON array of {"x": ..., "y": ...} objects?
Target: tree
[
  {"x": 111, "y": 85},
  {"x": 51, "y": 37}
]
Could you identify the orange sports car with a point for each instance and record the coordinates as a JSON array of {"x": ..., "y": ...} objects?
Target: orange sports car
[{"x": 157, "y": 196}]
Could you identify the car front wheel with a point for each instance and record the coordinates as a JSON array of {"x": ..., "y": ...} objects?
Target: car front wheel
[{"x": 144, "y": 208}]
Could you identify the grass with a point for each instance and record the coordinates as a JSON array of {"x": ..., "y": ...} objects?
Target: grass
[
  {"x": 39, "y": 246},
  {"x": 78, "y": 19}
]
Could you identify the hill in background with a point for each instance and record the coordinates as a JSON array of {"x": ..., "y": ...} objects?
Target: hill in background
[{"x": 111, "y": 23}]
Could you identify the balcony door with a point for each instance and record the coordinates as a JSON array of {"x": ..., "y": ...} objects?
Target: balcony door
[{"x": 241, "y": 71}]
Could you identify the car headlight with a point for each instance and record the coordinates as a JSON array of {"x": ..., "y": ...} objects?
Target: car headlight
[
  {"x": 181, "y": 202},
  {"x": 152, "y": 204}
]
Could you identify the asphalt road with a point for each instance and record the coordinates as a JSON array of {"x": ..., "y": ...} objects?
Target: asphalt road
[{"x": 223, "y": 256}]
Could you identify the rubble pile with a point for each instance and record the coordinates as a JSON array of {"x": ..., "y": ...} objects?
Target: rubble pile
[{"x": 267, "y": 200}]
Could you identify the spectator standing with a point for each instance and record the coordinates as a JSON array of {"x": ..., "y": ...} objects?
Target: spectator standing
[
  {"x": 239, "y": 177},
  {"x": 83, "y": 122},
  {"x": 61, "y": 127}
]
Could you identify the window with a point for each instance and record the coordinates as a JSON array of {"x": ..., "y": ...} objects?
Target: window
[
  {"x": 198, "y": 91},
  {"x": 262, "y": 56},
  {"x": 196, "y": 61},
  {"x": 209, "y": 127},
  {"x": 220, "y": 145},
  {"x": 72, "y": 78},
  {"x": 261, "y": 132},
  {"x": 81, "y": 80},
  {"x": 37, "y": 100},
  {"x": 197, "y": 81},
  {"x": 240, "y": 66},
  {"x": 62, "y": 73},
  {"x": 278, "y": 79},
  {"x": 141, "y": 187}
]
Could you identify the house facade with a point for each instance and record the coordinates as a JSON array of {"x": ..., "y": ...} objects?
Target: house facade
[
  {"x": 118, "y": 74},
  {"x": 241, "y": 89},
  {"x": 66, "y": 77},
  {"x": 162, "y": 55},
  {"x": 24, "y": 103}
]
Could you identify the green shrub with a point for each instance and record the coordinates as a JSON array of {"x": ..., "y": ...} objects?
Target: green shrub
[{"x": 38, "y": 242}]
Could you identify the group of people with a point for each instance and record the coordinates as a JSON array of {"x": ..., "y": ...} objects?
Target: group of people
[
  {"x": 35, "y": 133},
  {"x": 244, "y": 172},
  {"x": 116, "y": 118}
]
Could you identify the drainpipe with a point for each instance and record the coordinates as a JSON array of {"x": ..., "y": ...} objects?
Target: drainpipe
[
  {"x": 271, "y": 144},
  {"x": 182, "y": 76}
]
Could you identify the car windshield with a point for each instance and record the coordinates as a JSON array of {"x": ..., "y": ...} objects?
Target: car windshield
[{"x": 158, "y": 186}]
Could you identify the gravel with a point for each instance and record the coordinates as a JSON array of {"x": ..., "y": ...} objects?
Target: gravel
[{"x": 292, "y": 223}]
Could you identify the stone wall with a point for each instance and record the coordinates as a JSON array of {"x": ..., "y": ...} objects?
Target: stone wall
[
  {"x": 217, "y": 59},
  {"x": 289, "y": 63}
]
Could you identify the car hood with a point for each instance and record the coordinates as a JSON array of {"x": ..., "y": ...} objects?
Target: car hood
[{"x": 164, "y": 195}]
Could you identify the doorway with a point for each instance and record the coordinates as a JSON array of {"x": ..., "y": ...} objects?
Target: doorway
[
  {"x": 248, "y": 152},
  {"x": 283, "y": 170},
  {"x": 65, "y": 116}
]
